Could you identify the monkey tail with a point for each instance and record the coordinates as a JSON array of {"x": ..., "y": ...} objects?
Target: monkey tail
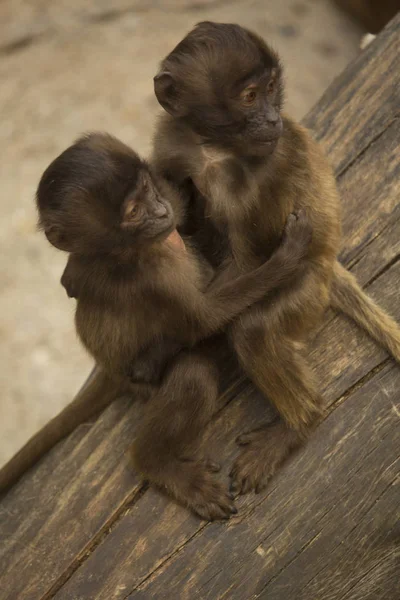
[
  {"x": 98, "y": 391},
  {"x": 348, "y": 297}
]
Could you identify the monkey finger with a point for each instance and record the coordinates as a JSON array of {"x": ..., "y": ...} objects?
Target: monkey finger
[
  {"x": 237, "y": 484},
  {"x": 291, "y": 220},
  {"x": 233, "y": 489},
  {"x": 246, "y": 486},
  {"x": 212, "y": 466},
  {"x": 244, "y": 439}
]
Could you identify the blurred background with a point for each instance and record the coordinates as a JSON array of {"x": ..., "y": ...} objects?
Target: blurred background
[{"x": 69, "y": 66}]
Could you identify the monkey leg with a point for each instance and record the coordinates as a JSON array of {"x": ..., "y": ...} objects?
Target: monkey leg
[
  {"x": 269, "y": 341},
  {"x": 166, "y": 450}
]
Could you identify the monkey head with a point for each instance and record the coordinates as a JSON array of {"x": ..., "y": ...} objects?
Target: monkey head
[
  {"x": 99, "y": 197},
  {"x": 225, "y": 83}
]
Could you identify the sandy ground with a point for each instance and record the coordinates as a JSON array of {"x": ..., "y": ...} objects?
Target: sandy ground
[{"x": 68, "y": 66}]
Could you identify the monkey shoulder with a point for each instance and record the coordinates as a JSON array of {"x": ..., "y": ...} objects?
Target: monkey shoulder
[{"x": 173, "y": 150}]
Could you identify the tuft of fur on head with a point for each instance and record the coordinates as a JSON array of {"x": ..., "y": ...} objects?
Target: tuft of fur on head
[
  {"x": 200, "y": 81},
  {"x": 213, "y": 54},
  {"x": 79, "y": 194}
]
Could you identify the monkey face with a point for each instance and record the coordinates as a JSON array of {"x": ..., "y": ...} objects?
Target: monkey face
[
  {"x": 225, "y": 83},
  {"x": 145, "y": 213},
  {"x": 98, "y": 196}
]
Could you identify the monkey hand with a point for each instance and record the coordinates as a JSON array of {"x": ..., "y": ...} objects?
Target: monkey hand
[{"x": 297, "y": 236}]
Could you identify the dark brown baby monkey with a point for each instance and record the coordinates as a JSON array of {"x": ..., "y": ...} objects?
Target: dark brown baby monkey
[
  {"x": 251, "y": 167},
  {"x": 139, "y": 286}
]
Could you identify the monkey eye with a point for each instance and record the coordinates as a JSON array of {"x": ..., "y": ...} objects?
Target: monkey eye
[
  {"x": 249, "y": 96},
  {"x": 130, "y": 210},
  {"x": 133, "y": 210}
]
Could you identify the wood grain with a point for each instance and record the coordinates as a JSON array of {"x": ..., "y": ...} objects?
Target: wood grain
[
  {"x": 55, "y": 514},
  {"x": 362, "y": 101},
  {"x": 336, "y": 497}
]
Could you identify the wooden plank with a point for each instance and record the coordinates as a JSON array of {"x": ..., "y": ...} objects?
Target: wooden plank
[
  {"x": 119, "y": 564},
  {"x": 370, "y": 191},
  {"x": 68, "y": 500},
  {"x": 342, "y": 354},
  {"x": 86, "y": 479},
  {"x": 362, "y": 101},
  {"x": 322, "y": 504},
  {"x": 161, "y": 527},
  {"x": 372, "y": 245}
]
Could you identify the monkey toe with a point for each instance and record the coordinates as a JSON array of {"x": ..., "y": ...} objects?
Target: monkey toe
[
  {"x": 196, "y": 487},
  {"x": 215, "y": 511},
  {"x": 248, "y": 473},
  {"x": 212, "y": 466},
  {"x": 244, "y": 439},
  {"x": 292, "y": 218},
  {"x": 208, "y": 464},
  {"x": 263, "y": 452},
  {"x": 218, "y": 506}
]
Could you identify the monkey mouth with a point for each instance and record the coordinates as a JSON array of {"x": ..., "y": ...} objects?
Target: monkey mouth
[{"x": 266, "y": 141}]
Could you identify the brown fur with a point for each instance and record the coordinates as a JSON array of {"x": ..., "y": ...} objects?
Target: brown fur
[
  {"x": 139, "y": 287},
  {"x": 249, "y": 176}
]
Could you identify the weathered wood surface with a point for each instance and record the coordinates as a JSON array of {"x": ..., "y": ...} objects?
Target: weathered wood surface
[{"x": 80, "y": 525}]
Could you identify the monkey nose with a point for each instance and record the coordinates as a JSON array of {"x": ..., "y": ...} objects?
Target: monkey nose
[
  {"x": 272, "y": 116},
  {"x": 160, "y": 211}
]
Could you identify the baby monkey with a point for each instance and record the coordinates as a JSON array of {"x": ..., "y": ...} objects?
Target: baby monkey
[{"x": 144, "y": 290}]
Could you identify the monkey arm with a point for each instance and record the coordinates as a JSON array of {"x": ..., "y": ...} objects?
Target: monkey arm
[
  {"x": 151, "y": 362},
  {"x": 223, "y": 302}
]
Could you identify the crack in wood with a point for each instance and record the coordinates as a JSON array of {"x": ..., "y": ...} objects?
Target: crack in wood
[
  {"x": 96, "y": 540},
  {"x": 339, "y": 174},
  {"x": 357, "y": 385},
  {"x": 358, "y": 254},
  {"x": 148, "y": 579},
  {"x": 383, "y": 270},
  {"x": 355, "y": 527},
  {"x": 387, "y": 556},
  {"x": 342, "y": 540}
]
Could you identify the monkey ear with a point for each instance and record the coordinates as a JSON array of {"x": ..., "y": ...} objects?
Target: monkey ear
[
  {"x": 167, "y": 94},
  {"x": 56, "y": 237}
]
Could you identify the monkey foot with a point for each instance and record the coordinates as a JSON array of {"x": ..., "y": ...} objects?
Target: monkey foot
[
  {"x": 195, "y": 485},
  {"x": 263, "y": 452}
]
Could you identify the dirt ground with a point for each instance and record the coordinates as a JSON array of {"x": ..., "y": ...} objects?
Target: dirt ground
[{"x": 73, "y": 66}]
